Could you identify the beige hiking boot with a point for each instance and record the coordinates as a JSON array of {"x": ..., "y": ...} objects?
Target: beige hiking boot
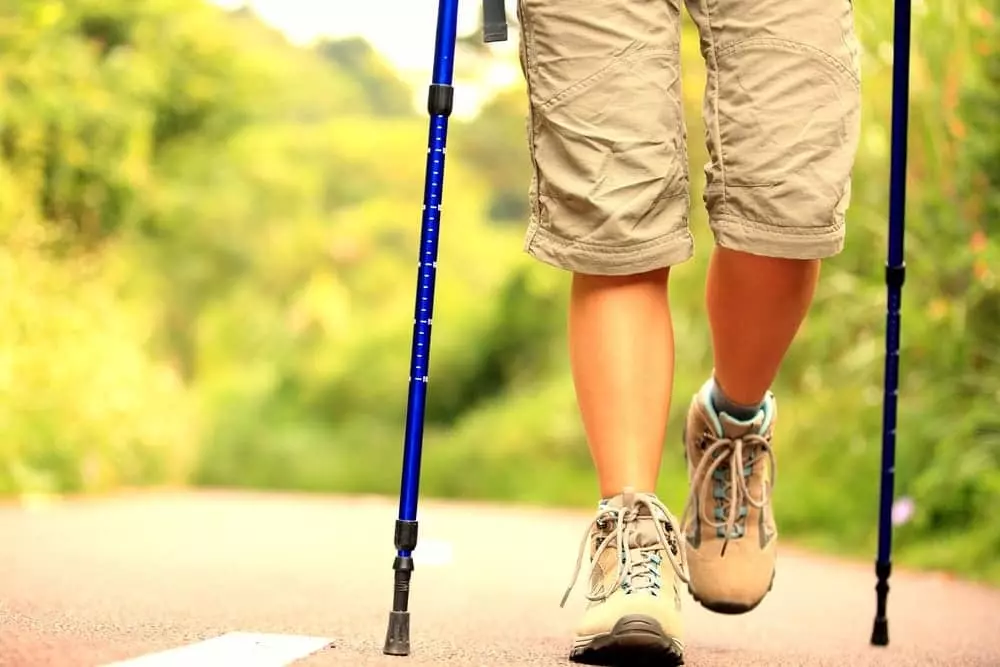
[
  {"x": 637, "y": 568},
  {"x": 729, "y": 529}
]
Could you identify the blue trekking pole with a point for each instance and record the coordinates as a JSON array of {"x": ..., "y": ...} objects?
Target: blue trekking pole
[
  {"x": 895, "y": 274},
  {"x": 439, "y": 105}
]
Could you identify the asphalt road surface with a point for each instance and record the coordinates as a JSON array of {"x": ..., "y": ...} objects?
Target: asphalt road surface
[{"x": 87, "y": 583}]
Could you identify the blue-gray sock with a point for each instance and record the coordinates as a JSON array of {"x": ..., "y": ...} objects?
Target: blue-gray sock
[{"x": 723, "y": 403}]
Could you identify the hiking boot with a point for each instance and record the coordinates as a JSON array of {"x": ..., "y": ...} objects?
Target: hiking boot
[
  {"x": 637, "y": 566},
  {"x": 729, "y": 530}
]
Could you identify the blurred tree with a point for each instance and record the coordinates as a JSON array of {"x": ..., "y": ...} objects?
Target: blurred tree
[
  {"x": 981, "y": 108},
  {"x": 385, "y": 93},
  {"x": 496, "y": 144}
]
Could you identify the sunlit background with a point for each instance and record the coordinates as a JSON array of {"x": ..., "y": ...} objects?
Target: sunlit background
[
  {"x": 209, "y": 217},
  {"x": 402, "y": 32}
]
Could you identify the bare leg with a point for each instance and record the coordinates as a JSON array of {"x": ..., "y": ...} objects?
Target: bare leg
[
  {"x": 755, "y": 306},
  {"x": 622, "y": 354}
]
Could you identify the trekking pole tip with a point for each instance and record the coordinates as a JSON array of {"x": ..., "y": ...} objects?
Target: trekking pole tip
[
  {"x": 397, "y": 637},
  {"x": 880, "y": 632},
  {"x": 880, "y": 628}
]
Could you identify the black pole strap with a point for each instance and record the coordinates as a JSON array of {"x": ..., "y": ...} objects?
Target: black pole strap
[{"x": 494, "y": 21}]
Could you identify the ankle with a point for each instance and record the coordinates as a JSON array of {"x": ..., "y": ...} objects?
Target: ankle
[
  {"x": 740, "y": 410},
  {"x": 626, "y": 493}
]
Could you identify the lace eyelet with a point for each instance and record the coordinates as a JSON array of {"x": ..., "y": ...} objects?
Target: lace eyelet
[{"x": 703, "y": 441}]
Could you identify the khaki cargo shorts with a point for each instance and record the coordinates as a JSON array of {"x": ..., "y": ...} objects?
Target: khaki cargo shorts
[{"x": 609, "y": 192}]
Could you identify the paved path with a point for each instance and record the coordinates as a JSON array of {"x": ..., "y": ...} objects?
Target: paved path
[{"x": 90, "y": 582}]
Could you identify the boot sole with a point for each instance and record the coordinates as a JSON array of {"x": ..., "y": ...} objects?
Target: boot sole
[
  {"x": 634, "y": 641},
  {"x": 730, "y": 608}
]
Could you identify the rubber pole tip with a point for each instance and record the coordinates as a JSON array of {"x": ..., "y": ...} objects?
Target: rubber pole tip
[
  {"x": 880, "y": 632},
  {"x": 397, "y": 637}
]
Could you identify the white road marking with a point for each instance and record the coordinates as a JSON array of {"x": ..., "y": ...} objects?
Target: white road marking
[{"x": 234, "y": 648}]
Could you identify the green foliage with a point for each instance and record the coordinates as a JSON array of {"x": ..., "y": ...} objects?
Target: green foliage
[
  {"x": 208, "y": 246},
  {"x": 488, "y": 144},
  {"x": 83, "y": 406},
  {"x": 385, "y": 94}
]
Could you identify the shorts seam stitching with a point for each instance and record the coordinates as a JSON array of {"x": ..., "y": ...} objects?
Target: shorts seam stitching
[
  {"x": 715, "y": 99},
  {"x": 534, "y": 205},
  {"x": 682, "y": 193},
  {"x": 790, "y": 45},
  {"x": 624, "y": 59},
  {"x": 729, "y": 220},
  {"x": 620, "y": 250}
]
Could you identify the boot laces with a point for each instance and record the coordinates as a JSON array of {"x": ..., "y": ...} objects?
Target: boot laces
[
  {"x": 722, "y": 471},
  {"x": 638, "y": 567}
]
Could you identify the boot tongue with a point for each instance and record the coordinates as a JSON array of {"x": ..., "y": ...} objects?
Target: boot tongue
[{"x": 645, "y": 534}]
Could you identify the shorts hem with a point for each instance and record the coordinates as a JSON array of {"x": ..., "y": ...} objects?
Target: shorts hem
[
  {"x": 662, "y": 252},
  {"x": 753, "y": 238}
]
